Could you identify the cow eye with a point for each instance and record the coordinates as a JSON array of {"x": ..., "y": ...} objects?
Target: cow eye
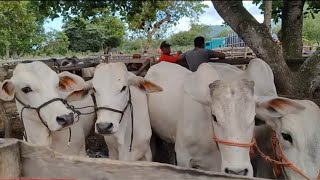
[
  {"x": 214, "y": 118},
  {"x": 287, "y": 137},
  {"x": 123, "y": 88},
  {"x": 26, "y": 90}
]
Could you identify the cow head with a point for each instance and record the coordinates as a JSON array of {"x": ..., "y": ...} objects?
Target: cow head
[
  {"x": 231, "y": 108},
  {"x": 35, "y": 84},
  {"x": 110, "y": 85},
  {"x": 233, "y": 111},
  {"x": 296, "y": 123}
]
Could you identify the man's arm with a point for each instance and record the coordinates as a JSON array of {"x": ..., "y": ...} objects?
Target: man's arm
[
  {"x": 168, "y": 58},
  {"x": 213, "y": 54}
]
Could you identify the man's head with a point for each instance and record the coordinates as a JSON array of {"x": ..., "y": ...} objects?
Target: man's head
[
  {"x": 199, "y": 42},
  {"x": 165, "y": 47}
]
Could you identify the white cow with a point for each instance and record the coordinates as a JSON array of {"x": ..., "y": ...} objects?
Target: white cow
[
  {"x": 231, "y": 102},
  {"x": 36, "y": 85},
  {"x": 296, "y": 123},
  {"x": 85, "y": 72},
  {"x": 121, "y": 94}
]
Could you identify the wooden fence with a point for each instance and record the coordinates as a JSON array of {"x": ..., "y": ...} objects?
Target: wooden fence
[{"x": 20, "y": 160}]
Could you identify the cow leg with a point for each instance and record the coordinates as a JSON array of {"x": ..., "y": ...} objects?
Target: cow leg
[
  {"x": 183, "y": 159},
  {"x": 83, "y": 151},
  {"x": 148, "y": 155}
]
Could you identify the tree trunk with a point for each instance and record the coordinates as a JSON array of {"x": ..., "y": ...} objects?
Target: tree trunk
[
  {"x": 148, "y": 43},
  {"x": 309, "y": 76},
  {"x": 7, "y": 50},
  {"x": 259, "y": 39},
  {"x": 267, "y": 14},
  {"x": 15, "y": 54},
  {"x": 292, "y": 23}
]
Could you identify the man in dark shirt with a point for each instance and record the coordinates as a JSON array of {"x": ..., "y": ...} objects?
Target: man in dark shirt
[{"x": 199, "y": 55}]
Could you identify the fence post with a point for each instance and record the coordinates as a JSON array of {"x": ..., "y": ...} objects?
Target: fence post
[
  {"x": 245, "y": 51},
  {"x": 232, "y": 56}
]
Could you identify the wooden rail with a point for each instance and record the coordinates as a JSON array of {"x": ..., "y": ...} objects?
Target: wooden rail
[{"x": 22, "y": 160}]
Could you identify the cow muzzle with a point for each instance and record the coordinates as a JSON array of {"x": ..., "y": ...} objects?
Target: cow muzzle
[
  {"x": 65, "y": 120},
  {"x": 104, "y": 128}
]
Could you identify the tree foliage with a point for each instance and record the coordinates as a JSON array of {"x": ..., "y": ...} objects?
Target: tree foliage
[
  {"x": 278, "y": 6},
  {"x": 143, "y": 17},
  {"x": 311, "y": 29},
  {"x": 185, "y": 38},
  {"x": 94, "y": 35},
  {"x": 56, "y": 43},
  {"x": 20, "y": 31}
]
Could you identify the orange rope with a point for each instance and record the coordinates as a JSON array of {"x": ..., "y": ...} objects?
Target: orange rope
[
  {"x": 229, "y": 143},
  {"x": 283, "y": 161}
]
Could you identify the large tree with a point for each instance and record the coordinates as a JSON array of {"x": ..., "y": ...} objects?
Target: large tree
[
  {"x": 258, "y": 38},
  {"x": 144, "y": 17},
  {"x": 99, "y": 33},
  {"x": 154, "y": 15},
  {"x": 291, "y": 13},
  {"x": 20, "y": 30},
  {"x": 311, "y": 29},
  {"x": 56, "y": 43}
]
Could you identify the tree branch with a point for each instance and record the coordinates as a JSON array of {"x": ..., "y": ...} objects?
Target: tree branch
[
  {"x": 267, "y": 13},
  {"x": 157, "y": 25}
]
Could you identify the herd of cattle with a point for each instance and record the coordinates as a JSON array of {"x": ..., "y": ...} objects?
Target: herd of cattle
[{"x": 209, "y": 115}]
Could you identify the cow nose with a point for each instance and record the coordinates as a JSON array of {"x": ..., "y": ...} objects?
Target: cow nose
[
  {"x": 241, "y": 172},
  {"x": 104, "y": 128},
  {"x": 66, "y": 119}
]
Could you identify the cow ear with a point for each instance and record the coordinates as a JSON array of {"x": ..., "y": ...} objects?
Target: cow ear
[
  {"x": 82, "y": 93},
  {"x": 271, "y": 109},
  {"x": 69, "y": 82},
  {"x": 7, "y": 90},
  {"x": 143, "y": 84}
]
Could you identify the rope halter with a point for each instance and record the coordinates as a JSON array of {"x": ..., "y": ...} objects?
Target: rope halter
[
  {"x": 283, "y": 161},
  {"x": 129, "y": 103},
  {"x": 37, "y": 109}
]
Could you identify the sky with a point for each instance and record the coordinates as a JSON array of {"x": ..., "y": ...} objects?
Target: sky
[{"x": 210, "y": 17}]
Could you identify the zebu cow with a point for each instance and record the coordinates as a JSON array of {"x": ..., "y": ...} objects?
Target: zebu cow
[
  {"x": 188, "y": 120},
  {"x": 288, "y": 120},
  {"x": 121, "y": 101},
  {"x": 84, "y": 72},
  {"x": 37, "y": 90},
  {"x": 296, "y": 123}
]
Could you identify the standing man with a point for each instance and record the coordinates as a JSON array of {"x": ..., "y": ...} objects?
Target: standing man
[
  {"x": 166, "y": 53},
  {"x": 199, "y": 55}
]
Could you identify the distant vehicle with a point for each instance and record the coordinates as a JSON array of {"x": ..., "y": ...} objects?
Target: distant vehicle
[
  {"x": 230, "y": 40},
  {"x": 215, "y": 43}
]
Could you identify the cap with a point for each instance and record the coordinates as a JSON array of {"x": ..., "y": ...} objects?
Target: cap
[{"x": 164, "y": 44}]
